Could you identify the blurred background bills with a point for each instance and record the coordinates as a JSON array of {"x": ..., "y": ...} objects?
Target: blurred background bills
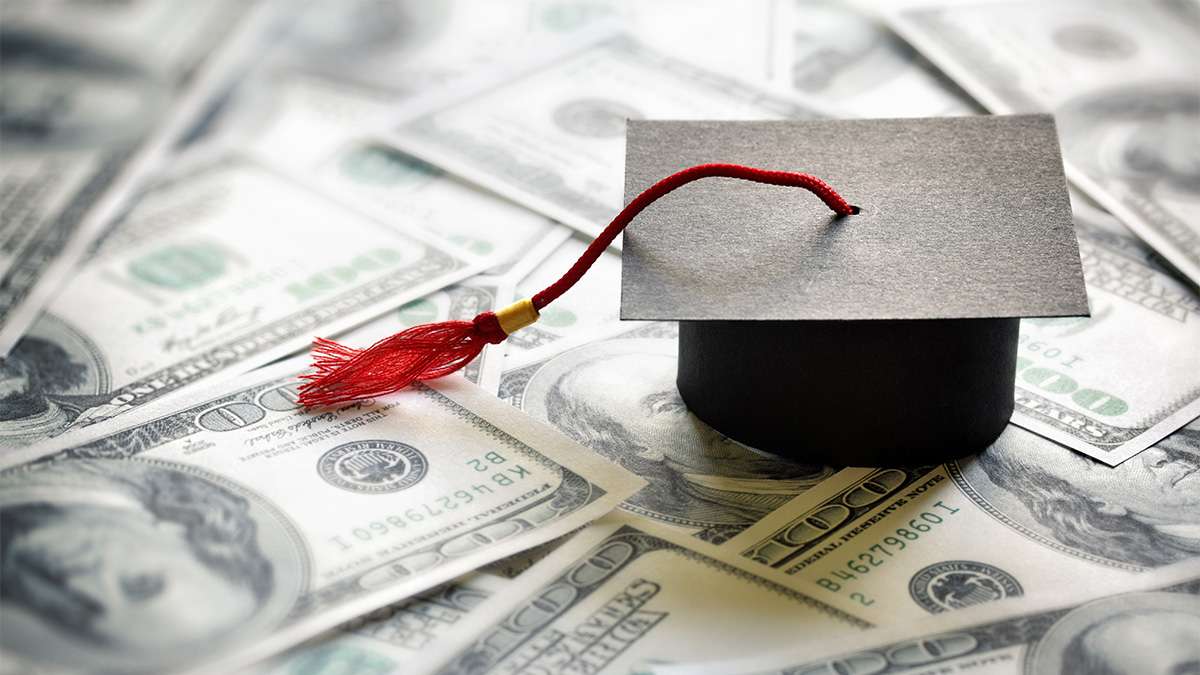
[{"x": 191, "y": 191}]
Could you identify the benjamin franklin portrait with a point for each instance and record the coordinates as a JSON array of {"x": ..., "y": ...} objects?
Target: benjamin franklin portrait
[
  {"x": 1136, "y": 634},
  {"x": 1143, "y": 136},
  {"x": 618, "y": 397},
  {"x": 51, "y": 374},
  {"x": 1142, "y": 512},
  {"x": 132, "y": 565}
]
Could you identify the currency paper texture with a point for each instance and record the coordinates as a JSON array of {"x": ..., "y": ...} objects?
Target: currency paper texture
[
  {"x": 1122, "y": 80},
  {"x": 392, "y": 639},
  {"x": 238, "y": 524},
  {"x": 1024, "y": 518},
  {"x": 237, "y": 265},
  {"x": 86, "y": 117},
  {"x": 829, "y": 50},
  {"x": 1149, "y": 626},
  {"x": 397, "y": 186},
  {"x": 416, "y": 635},
  {"x": 1094, "y": 384},
  {"x": 625, "y": 592}
]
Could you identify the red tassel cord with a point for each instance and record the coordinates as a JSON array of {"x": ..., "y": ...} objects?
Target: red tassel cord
[{"x": 342, "y": 374}]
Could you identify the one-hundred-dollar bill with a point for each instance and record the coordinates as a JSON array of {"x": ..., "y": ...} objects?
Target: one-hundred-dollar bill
[
  {"x": 87, "y": 116},
  {"x": 393, "y": 184},
  {"x": 615, "y": 393},
  {"x": 392, "y": 639},
  {"x": 345, "y": 63},
  {"x": 551, "y": 134},
  {"x": 1122, "y": 80},
  {"x": 237, "y": 524},
  {"x": 820, "y": 48},
  {"x": 830, "y": 50},
  {"x": 1149, "y": 626},
  {"x": 238, "y": 265},
  {"x": 413, "y": 635},
  {"x": 626, "y": 591},
  {"x": 460, "y": 302},
  {"x": 344, "y": 68},
  {"x": 1025, "y": 517},
  {"x": 1096, "y": 384},
  {"x": 590, "y": 307}
]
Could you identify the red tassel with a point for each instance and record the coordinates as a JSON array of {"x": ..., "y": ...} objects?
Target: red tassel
[{"x": 424, "y": 352}]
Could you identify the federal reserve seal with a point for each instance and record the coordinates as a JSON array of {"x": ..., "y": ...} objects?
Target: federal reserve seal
[
  {"x": 955, "y": 584},
  {"x": 373, "y": 466}
]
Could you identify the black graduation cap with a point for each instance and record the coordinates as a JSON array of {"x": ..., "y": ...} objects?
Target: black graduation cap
[
  {"x": 885, "y": 337},
  {"x": 885, "y": 333}
]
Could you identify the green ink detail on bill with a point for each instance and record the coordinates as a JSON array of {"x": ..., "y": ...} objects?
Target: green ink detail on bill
[
  {"x": 332, "y": 278},
  {"x": 180, "y": 266},
  {"x": 1099, "y": 402},
  {"x": 339, "y": 660},
  {"x": 1053, "y": 382},
  {"x": 557, "y": 318},
  {"x": 472, "y": 244},
  {"x": 418, "y": 312},
  {"x": 1049, "y": 381},
  {"x": 379, "y": 165},
  {"x": 569, "y": 17}
]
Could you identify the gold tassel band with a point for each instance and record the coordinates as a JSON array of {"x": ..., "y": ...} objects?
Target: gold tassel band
[{"x": 516, "y": 316}]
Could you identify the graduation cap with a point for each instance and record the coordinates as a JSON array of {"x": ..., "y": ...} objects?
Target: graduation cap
[{"x": 883, "y": 332}]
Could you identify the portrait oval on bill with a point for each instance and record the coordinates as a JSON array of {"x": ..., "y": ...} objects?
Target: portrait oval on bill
[
  {"x": 1136, "y": 634},
  {"x": 1144, "y": 135},
  {"x": 53, "y": 372},
  {"x": 618, "y": 397},
  {"x": 1140, "y": 514},
  {"x": 132, "y": 565}
]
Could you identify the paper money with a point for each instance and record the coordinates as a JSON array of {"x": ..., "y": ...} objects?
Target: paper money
[
  {"x": 343, "y": 64},
  {"x": 1122, "y": 82},
  {"x": 391, "y": 639},
  {"x": 346, "y": 63},
  {"x": 159, "y": 36},
  {"x": 1150, "y": 626},
  {"x": 240, "y": 266},
  {"x": 592, "y": 305},
  {"x": 237, "y": 524},
  {"x": 625, "y": 592},
  {"x": 1025, "y": 517},
  {"x": 87, "y": 114},
  {"x": 393, "y": 185},
  {"x": 734, "y": 39},
  {"x": 551, "y": 136},
  {"x": 413, "y": 636},
  {"x": 1092, "y": 383},
  {"x": 830, "y": 51},
  {"x": 815, "y": 47},
  {"x": 616, "y": 395}
]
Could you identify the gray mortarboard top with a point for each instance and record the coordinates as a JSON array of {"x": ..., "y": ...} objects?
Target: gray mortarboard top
[{"x": 886, "y": 337}]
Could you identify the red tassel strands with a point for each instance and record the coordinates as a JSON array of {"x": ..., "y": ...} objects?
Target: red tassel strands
[{"x": 342, "y": 374}]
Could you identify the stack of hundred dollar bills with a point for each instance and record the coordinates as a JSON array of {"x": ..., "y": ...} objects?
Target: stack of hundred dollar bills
[{"x": 191, "y": 190}]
